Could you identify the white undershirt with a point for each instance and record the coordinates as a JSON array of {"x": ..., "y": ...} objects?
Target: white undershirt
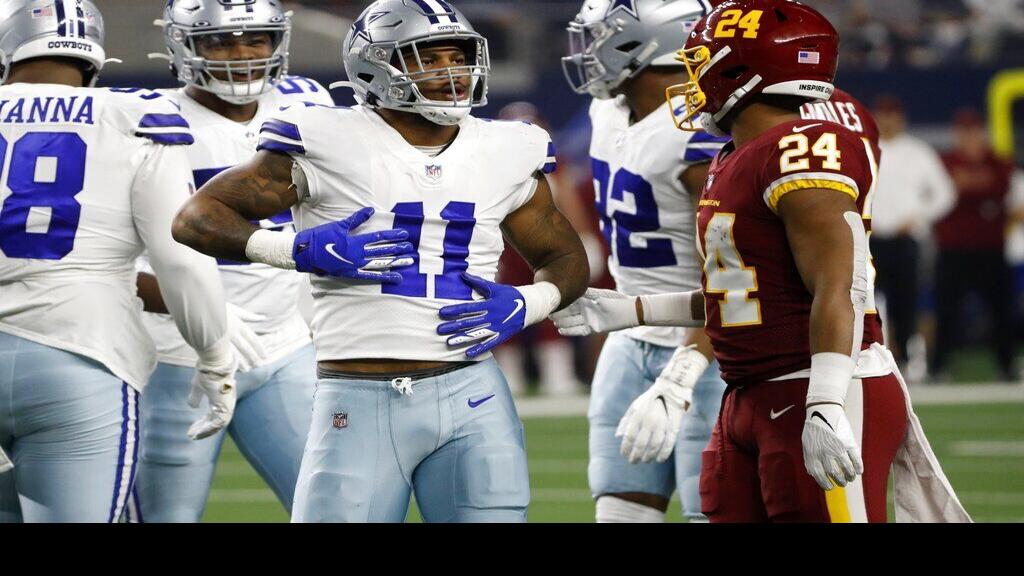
[{"x": 432, "y": 151}]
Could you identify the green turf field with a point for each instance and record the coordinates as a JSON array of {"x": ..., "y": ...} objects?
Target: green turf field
[{"x": 981, "y": 448}]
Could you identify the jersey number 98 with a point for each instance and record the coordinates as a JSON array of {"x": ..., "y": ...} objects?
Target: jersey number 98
[{"x": 47, "y": 171}]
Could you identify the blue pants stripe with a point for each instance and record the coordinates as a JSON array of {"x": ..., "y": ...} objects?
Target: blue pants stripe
[{"x": 128, "y": 417}]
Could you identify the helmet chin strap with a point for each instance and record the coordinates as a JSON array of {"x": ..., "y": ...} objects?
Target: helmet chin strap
[
  {"x": 441, "y": 115},
  {"x": 710, "y": 126}
]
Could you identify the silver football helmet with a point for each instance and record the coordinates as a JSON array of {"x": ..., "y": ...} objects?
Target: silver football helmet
[
  {"x": 611, "y": 41},
  {"x": 186, "y": 23},
  {"x": 48, "y": 28},
  {"x": 388, "y": 32}
]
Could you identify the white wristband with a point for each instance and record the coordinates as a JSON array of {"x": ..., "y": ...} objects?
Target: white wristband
[
  {"x": 669, "y": 310},
  {"x": 831, "y": 374},
  {"x": 272, "y": 248},
  {"x": 540, "y": 299}
]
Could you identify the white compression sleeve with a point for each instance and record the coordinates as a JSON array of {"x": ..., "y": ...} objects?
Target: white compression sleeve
[
  {"x": 189, "y": 281},
  {"x": 673, "y": 309}
]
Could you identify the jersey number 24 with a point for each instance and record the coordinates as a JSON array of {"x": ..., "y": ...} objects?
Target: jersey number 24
[{"x": 47, "y": 171}]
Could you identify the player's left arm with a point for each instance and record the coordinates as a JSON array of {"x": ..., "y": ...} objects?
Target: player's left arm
[
  {"x": 829, "y": 245},
  {"x": 650, "y": 426},
  {"x": 548, "y": 243}
]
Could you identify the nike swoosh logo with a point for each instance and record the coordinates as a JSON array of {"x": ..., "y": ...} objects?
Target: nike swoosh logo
[
  {"x": 519, "y": 306},
  {"x": 478, "y": 402},
  {"x": 817, "y": 414},
  {"x": 330, "y": 250},
  {"x": 775, "y": 414},
  {"x": 799, "y": 129}
]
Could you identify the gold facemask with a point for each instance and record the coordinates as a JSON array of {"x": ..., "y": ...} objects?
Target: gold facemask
[{"x": 695, "y": 59}]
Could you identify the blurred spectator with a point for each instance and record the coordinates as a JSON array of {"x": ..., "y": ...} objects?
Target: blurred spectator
[
  {"x": 971, "y": 242},
  {"x": 913, "y": 191}
]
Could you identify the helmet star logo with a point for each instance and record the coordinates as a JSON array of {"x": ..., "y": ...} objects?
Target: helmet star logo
[
  {"x": 359, "y": 27},
  {"x": 628, "y": 6}
]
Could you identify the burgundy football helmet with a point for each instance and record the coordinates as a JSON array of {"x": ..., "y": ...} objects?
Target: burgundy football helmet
[{"x": 749, "y": 47}]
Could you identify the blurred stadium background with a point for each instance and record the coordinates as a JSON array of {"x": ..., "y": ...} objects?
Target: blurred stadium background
[{"x": 933, "y": 58}]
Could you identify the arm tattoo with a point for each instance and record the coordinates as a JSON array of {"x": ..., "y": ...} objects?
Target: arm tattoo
[
  {"x": 259, "y": 192},
  {"x": 215, "y": 221}
]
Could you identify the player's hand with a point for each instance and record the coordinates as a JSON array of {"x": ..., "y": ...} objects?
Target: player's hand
[
  {"x": 332, "y": 250},
  {"x": 244, "y": 341},
  {"x": 651, "y": 424},
  {"x": 830, "y": 452},
  {"x": 489, "y": 322},
  {"x": 597, "y": 311},
  {"x": 217, "y": 384}
]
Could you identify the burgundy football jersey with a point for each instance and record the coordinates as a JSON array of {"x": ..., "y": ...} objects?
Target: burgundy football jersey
[
  {"x": 758, "y": 310},
  {"x": 847, "y": 111}
]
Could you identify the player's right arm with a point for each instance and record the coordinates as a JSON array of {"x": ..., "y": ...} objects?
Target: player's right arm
[
  {"x": 191, "y": 289},
  {"x": 216, "y": 222},
  {"x": 650, "y": 426}
]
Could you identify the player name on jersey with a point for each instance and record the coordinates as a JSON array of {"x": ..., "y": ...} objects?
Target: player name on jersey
[{"x": 47, "y": 110}]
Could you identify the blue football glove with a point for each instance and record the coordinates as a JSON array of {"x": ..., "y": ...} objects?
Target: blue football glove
[
  {"x": 490, "y": 322},
  {"x": 331, "y": 250}
]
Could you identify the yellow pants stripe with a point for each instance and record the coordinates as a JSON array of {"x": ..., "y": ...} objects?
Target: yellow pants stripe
[{"x": 838, "y": 509}]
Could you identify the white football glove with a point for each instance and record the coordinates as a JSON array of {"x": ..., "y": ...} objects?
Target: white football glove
[
  {"x": 651, "y": 424},
  {"x": 244, "y": 341},
  {"x": 597, "y": 311},
  {"x": 830, "y": 452},
  {"x": 5, "y": 462},
  {"x": 217, "y": 383}
]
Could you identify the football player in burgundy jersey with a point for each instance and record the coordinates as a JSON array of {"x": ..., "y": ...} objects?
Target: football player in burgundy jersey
[{"x": 814, "y": 412}]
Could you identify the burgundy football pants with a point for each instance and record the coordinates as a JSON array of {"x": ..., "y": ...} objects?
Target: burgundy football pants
[{"x": 752, "y": 470}]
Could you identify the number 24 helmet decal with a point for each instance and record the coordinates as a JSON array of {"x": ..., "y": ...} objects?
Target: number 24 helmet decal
[{"x": 749, "y": 47}]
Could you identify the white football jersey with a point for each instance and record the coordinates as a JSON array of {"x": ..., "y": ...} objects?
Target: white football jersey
[
  {"x": 452, "y": 205},
  {"x": 221, "y": 143},
  {"x": 74, "y": 162},
  {"x": 647, "y": 216}
]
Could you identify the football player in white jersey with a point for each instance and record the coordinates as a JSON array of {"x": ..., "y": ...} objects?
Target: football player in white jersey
[
  {"x": 409, "y": 397},
  {"x": 648, "y": 177},
  {"x": 91, "y": 177},
  {"x": 232, "y": 58}
]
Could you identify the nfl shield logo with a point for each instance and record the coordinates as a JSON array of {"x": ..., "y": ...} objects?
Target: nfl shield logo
[
  {"x": 341, "y": 420},
  {"x": 433, "y": 172}
]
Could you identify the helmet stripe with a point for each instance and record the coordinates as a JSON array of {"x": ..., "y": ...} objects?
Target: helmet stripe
[
  {"x": 61, "y": 18},
  {"x": 429, "y": 11},
  {"x": 80, "y": 21},
  {"x": 448, "y": 9}
]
